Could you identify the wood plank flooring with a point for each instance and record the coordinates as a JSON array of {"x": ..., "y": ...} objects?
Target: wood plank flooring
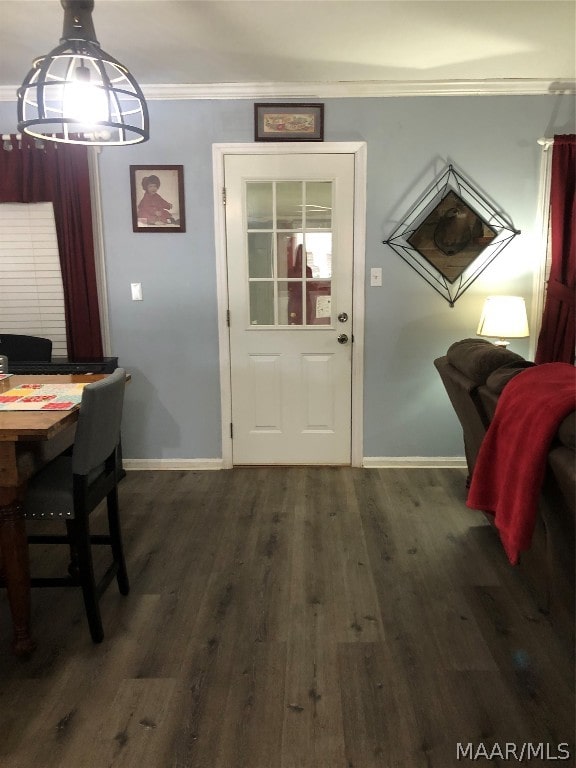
[{"x": 292, "y": 618}]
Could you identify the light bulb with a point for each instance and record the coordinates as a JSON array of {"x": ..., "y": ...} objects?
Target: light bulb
[{"x": 83, "y": 100}]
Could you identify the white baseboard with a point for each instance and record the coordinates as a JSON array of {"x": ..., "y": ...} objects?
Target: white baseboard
[
  {"x": 414, "y": 462},
  {"x": 368, "y": 462},
  {"x": 179, "y": 464}
]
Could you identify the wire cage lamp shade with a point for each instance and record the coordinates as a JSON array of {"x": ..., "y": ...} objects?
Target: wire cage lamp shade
[{"x": 78, "y": 93}]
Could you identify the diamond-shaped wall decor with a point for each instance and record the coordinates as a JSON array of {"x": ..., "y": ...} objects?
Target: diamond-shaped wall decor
[{"x": 451, "y": 235}]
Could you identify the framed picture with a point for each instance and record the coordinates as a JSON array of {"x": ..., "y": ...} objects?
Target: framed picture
[
  {"x": 157, "y": 198},
  {"x": 288, "y": 122},
  {"x": 451, "y": 236}
]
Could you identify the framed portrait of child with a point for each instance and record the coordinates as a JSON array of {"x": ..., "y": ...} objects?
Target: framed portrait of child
[{"x": 157, "y": 198}]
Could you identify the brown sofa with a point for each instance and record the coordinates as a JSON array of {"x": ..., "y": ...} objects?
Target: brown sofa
[{"x": 474, "y": 373}]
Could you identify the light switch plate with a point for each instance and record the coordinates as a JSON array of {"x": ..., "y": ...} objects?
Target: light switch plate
[
  {"x": 136, "y": 289},
  {"x": 376, "y": 277}
]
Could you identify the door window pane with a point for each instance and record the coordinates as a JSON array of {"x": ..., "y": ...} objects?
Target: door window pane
[
  {"x": 319, "y": 254},
  {"x": 318, "y": 303},
  {"x": 289, "y": 254},
  {"x": 262, "y": 303},
  {"x": 318, "y": 204},
  {"x": 290, "y": 272},
  {"x": 289, "y": 204},
  {"x": 260, "y": 254},
  {"x": 289, "y": 303},
  {"x": 259, "y": 204}
]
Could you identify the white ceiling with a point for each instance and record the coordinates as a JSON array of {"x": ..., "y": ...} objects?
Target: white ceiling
[{"x": 309, "y": 41}]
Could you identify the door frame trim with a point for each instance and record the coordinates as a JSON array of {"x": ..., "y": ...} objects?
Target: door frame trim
[{"x": 359, "y": 150}]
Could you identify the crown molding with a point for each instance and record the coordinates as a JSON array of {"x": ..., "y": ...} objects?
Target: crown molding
[
  {"x": 347, "y": 89},
  {"x": 359, "y": 89},
  {"x": 8, "y": 92}
]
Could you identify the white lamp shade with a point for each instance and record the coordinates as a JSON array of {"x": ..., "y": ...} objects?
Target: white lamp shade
[{"x": 503, "y": 317}]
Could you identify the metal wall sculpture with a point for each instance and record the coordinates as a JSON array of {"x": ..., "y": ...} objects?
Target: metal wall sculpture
[{"x": 450, "y": 235}]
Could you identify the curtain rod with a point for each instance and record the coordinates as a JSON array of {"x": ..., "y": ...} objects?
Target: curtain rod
[
  {"x": 8, "y": 136},
  {"x": 545, "y": 143}
]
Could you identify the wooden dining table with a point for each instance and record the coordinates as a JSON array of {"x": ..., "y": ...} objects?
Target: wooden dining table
[{"x": 28, "y": 441}]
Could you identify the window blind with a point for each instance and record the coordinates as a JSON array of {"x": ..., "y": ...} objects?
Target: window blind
[{"x": 31, "y": 292}]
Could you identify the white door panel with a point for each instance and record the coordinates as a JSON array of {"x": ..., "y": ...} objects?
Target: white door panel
[{"x": 289, "y": 235}]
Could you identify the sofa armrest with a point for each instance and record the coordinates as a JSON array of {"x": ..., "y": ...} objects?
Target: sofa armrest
[
  {"x": 478, "y": 358},
  {"x": 461, "y": 391}
]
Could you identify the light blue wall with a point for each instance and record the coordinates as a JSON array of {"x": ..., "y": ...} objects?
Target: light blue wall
[{"x": 169, "y": 341}]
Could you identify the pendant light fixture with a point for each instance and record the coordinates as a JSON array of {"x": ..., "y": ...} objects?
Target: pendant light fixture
[{"x": 78, "y": 94}]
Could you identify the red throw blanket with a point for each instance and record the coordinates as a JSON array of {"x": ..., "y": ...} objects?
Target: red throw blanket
[{"x": 511, "y": 463}]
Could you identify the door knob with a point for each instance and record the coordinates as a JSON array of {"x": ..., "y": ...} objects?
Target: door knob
[{"x": 342, "y": 339}]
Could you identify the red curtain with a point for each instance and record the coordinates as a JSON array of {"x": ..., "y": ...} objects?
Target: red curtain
[
  {"x": 59, "y": 173},
  {"x": 558, "y": 334}
]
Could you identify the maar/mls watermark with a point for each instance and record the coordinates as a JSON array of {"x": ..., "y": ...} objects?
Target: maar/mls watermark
[{"x": 522, "y": 751}]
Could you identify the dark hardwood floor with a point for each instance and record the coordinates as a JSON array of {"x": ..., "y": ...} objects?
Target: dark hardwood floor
[{"x": 293, "y": 618}]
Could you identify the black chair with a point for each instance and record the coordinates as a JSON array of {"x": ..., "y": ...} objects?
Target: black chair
[
  {"x": 69, "y": 488},
  {"x": 19, "y": 348}
]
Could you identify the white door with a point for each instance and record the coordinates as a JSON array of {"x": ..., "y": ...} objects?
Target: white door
[{"x": 290, "y": 238}]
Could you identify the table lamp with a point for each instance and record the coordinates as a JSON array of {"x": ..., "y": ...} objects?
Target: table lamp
[{"x": 503, "y": 317}]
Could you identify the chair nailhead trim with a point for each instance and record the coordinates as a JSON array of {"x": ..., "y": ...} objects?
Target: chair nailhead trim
[{"x": 41, "y": 515}]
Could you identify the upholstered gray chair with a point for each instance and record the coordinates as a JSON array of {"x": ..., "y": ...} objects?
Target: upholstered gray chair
[
  {"x": 19, "y": 348},
  {"x": 69, "y": 488}
]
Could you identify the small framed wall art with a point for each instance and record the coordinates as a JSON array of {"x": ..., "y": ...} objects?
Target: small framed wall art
[
  {"x": 288, "y": 122},
  {"x": 157, "y": 198}
]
